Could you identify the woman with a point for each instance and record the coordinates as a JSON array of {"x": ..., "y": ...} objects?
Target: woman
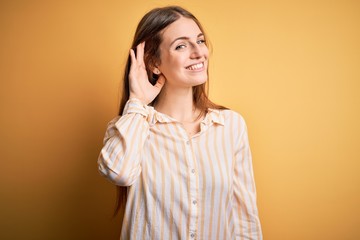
[{"x": 184, "y": 161}]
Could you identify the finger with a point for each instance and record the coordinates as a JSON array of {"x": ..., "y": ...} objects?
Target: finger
[
  {"x": 140, "y": 53},
  {"x": 132, "y": 57}
]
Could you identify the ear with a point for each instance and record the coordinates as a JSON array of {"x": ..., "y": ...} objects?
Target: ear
[{"x": 156, "y": 71}]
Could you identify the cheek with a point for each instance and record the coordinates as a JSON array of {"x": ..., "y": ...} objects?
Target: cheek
[
  {"x": 206, "y": 52},
  {"x": 171, "y": 64}
]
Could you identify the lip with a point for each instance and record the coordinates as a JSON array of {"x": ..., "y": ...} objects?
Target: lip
[{"x": 198, "y": 69}]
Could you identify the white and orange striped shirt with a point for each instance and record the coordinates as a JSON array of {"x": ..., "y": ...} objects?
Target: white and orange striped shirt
[{"x": 180, "y": 187}]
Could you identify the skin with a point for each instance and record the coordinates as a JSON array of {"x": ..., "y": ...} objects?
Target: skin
[
  {"x": 140, "y": 87},
  {"x": 182, "y": 47}
]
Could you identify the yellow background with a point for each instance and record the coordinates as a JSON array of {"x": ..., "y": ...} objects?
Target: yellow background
[{"x": 291, "y": 68}]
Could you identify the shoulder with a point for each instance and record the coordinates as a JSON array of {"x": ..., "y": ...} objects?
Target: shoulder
[
  {"x": 232, "y": 117},
  {"x": 235, "y": 124}
]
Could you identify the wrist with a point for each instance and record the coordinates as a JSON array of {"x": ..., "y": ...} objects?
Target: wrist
[{"x": 134, "y": 97}]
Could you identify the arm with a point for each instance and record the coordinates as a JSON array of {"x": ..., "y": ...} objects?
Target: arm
[
  {"x": 246, "y": 213},
  {"x": 120, "y": 158}
]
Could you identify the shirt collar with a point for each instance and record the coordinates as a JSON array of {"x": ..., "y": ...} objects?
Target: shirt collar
[{"x": 212, "y": 116}]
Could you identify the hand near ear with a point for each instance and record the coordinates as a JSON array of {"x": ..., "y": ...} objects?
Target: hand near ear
[{"x": 140, "y": 86}]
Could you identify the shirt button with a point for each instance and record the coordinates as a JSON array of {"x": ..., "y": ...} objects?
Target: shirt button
[
  {"x": 192, "y": 235},
  {"x": 187, "y": 142},
  {"x": 194, "y": 202},
  {"x": 193, "y": 170}
]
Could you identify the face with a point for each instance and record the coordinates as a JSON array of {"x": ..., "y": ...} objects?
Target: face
[{"x": 183, "y": 54}]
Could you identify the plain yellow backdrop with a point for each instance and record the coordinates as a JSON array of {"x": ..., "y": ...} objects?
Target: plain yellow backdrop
[{"x": 291, "y": 68}]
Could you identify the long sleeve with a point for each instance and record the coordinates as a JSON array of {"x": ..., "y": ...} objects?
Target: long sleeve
[
  {"x": 120, "y": 157},
  {"x": 246, "y": 213}
]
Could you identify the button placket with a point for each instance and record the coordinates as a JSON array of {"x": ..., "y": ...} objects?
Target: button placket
[{"x": 191, "y": 161}]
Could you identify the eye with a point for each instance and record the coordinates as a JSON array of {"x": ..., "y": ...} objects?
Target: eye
[
  {"x": 201, "y": 41},
  {"x": 181, "y": 46}
]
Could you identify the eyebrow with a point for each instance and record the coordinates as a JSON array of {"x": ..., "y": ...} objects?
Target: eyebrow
[{"x": 185, "y": 38}]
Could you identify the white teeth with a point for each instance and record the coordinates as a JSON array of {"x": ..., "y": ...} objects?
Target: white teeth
[{"x": 196, "y": 66}]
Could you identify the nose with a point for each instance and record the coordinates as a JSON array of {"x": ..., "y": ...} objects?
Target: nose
[{"x": 197, "y": 51}]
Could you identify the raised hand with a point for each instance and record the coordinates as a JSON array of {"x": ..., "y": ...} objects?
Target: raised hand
[{"x": 140, "y": 86}]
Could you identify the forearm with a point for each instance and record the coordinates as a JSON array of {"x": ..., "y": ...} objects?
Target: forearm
[
  {"x": 120, "y": 158},
  {"x": 246, "y": 212}
]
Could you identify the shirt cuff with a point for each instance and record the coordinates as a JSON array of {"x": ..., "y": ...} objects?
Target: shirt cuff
[{"x": 134, "y": 105}]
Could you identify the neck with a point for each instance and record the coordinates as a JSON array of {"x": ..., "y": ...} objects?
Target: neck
[{"x": 177, "y": 103}]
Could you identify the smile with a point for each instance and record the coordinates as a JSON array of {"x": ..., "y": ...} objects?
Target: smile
[{"x": 197, "y": 66}]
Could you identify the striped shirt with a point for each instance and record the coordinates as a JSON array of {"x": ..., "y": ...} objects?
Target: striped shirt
[{"x": 181, "y": 187}]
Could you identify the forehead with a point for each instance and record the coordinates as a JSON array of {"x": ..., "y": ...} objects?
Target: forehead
[{"x": 183, "y": 27}]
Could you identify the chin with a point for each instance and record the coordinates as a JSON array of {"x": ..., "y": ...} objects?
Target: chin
[
  {"x": 202, "y": 80},
  {"x": 189, "y": 81},
  {"x": 199, "y": 82}
]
